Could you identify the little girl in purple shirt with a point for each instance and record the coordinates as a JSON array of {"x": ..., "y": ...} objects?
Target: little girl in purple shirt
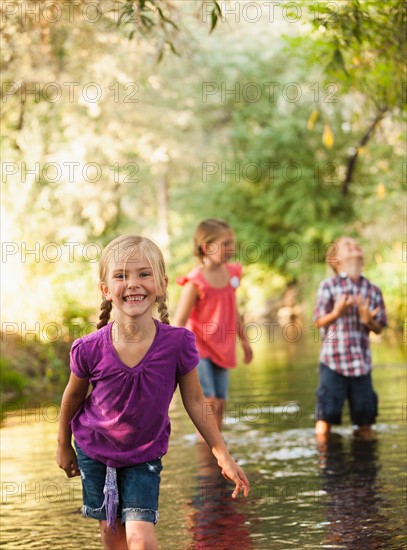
[{"x": 121, "y": 428}]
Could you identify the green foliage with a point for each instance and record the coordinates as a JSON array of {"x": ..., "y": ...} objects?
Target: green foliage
[
  {"x": 32, "y": 370},
  {"x": 12, "y": 383},
  {"x": 363, "y": 45},
  {"x": 156, "y": 127},
  {"x": 158, "y": 20}
]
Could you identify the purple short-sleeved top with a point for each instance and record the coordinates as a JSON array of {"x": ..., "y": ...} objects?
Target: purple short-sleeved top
[{"x": 124, "y": 420}]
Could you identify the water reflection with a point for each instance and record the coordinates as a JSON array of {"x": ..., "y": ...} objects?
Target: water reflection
[
  {"x": 217, "y": 521},
  {"x": 355, "y": 499},
  {"x": 349, "y": 473}
]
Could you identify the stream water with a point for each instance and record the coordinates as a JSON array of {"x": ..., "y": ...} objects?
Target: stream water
[{"x": 342, "y": 494}]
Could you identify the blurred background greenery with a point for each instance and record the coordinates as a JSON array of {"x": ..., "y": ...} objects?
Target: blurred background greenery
[{"x": 286, "y": 119}]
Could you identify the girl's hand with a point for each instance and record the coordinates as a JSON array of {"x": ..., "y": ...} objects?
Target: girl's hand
[
  {"x": 232, "y": 471},
  {"x": 67, "y": 460},
  {"x": 248, "y": 352}
]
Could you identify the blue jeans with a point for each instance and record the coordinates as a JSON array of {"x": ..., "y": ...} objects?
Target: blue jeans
[{"x": 138, "y": 489}]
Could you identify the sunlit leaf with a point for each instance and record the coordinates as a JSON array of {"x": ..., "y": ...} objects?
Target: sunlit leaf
[
  {"x": 328, "y": 137},
  {"x": 312, "y": 119},
  {"x": 381, "y": 190}
]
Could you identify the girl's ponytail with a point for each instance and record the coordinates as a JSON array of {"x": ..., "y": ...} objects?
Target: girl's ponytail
[{"x": 106, "y": 308}]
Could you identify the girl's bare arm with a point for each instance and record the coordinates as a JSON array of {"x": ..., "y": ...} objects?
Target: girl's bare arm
[
  {"x": 187, "y": 301},
  {"x": 73, "y": 397},
  {"x": 247, "y": 350}
]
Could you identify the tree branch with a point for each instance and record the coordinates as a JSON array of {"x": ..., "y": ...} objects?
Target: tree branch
[{"x": 350, "y": 168}]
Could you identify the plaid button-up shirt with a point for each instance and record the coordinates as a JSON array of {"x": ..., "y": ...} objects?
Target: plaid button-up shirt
[{"x": 345, "y": 342}]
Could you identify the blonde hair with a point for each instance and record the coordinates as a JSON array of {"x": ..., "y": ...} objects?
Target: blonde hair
[
  {"x": 208, "y": 231},
  {"x": 129, "y": 243}
]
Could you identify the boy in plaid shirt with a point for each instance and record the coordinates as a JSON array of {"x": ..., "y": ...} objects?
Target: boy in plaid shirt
[{"x": 348, "y": 307}]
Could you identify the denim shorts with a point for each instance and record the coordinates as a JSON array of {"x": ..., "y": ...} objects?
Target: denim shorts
[
  {"x": 333, "y": 391},
  {"x": 214, "y": 380},
  {"x": 138, "y": 489}
]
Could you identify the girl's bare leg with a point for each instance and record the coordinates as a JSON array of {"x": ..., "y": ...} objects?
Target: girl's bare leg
[
  {"x": 140, "y": 536},
  {"x": 111, "y": 540}
]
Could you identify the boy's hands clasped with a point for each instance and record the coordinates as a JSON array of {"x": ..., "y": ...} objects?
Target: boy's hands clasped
[
  {"x": 341, "y": 306},
  {"x": 345, "y": 302},
  {"x": 366, "y": 315}
]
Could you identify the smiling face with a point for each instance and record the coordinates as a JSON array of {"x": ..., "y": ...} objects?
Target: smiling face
[{"x": 130, "y": 284}]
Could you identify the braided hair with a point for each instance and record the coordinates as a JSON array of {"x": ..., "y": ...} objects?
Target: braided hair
[
  {"x": 163, "y": 309},
  {"x": 105, "y": 310}
]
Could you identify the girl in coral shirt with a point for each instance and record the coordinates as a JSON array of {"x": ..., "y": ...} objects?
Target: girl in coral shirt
[{"x": 208, "y": 308}]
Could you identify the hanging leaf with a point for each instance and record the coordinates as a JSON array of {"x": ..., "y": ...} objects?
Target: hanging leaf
[
  {"x": 165, "y": 19},
  {"x": 214, "y": 20},
  {"x": 328, "y": 137},
  {"x": 312, "y": 119},
  {"x": 216, "y": 13}
]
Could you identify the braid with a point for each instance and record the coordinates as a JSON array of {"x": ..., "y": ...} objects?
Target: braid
[
  {"x": 163, "y": 310},
  {"x": 106, "y": 308}
]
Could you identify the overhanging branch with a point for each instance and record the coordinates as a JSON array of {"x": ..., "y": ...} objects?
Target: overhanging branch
[{"x": 350, "y": 167}]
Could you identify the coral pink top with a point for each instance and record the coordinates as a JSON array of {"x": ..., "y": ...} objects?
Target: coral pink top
[{"x": 213, "y": 318}]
